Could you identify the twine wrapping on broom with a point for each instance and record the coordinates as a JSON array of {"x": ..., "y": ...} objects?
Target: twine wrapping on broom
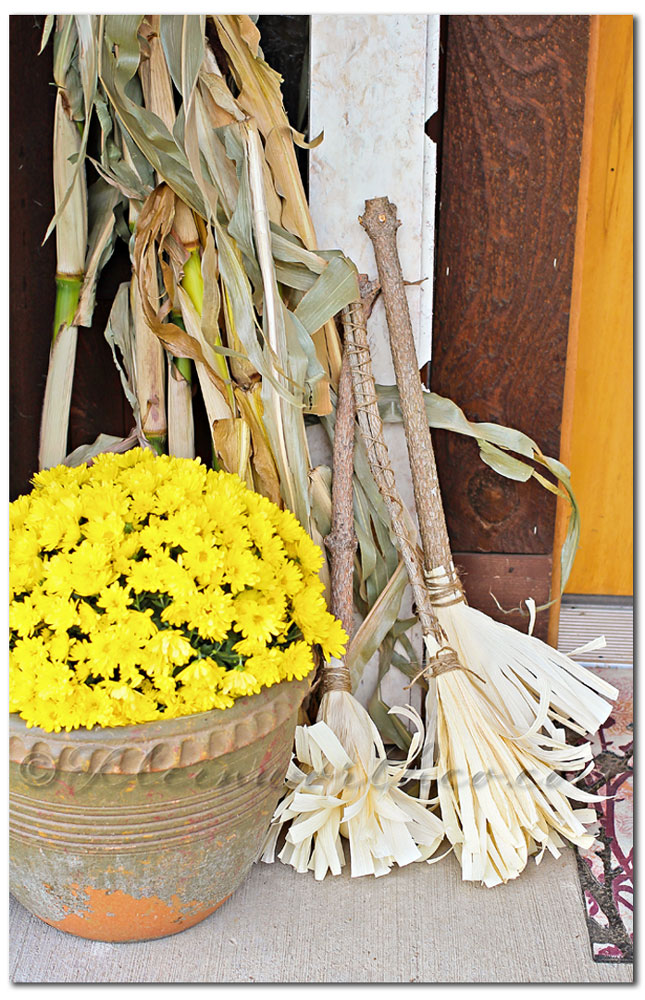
[{"x": 444, "y": 586}]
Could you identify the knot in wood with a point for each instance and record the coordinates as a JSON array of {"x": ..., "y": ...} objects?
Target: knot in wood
[{"x": 379, "y": 217}]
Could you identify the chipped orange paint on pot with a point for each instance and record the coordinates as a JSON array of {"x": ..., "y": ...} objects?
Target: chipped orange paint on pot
[
  {"x": 138, "y": 832},
  {"x": 118, "y": 916}
]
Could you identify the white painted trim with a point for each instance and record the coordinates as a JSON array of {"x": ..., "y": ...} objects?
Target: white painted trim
[{"x": 374, "y": 83}]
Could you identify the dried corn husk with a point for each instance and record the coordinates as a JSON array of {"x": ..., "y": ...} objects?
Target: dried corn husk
[
  {"x": 344, "y": 786},
  {"x": 501, "y": 792}
]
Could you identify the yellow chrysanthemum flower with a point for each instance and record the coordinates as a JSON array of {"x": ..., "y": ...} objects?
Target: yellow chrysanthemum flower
[
  {"x": 24, "y": 617},
  {"x": 296, "y": 662},
  {"x": 258, "y": 618},
  {"x": 146, "y": 587}
]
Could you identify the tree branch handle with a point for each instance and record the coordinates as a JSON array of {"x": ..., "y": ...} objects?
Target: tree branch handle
[
  {"x": 380, "y": 223},
  {"x": 371, "y": 425},
  {"x": 341, "y": 540}
]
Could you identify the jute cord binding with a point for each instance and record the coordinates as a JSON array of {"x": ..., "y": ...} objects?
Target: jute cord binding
[
  {"x": 336, "y": 677},
  {"x": 445, "y": 660},
  {"x": 444, "y": 592}
]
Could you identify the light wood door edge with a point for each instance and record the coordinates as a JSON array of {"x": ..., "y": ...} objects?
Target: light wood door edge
[
  {"x": 607, "y": 114},
  {"x": 562, "y": 509}
]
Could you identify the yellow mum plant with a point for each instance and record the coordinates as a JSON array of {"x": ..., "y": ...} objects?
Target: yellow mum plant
[{"x": 145, "y": 587}]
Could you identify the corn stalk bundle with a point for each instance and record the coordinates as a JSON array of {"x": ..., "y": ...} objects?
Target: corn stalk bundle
[
  {"x": 84, "y": 221},
  {"x": 343, "y": 783},
  {"x": 230, "y": 295},
  {"x": 497, "y": 700}
]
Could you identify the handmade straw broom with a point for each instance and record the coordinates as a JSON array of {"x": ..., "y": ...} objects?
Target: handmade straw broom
[
  {"x": 494, "y": 695},
  {"x": 344, "y": 783}
]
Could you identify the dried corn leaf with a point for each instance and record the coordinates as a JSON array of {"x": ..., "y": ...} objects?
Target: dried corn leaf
[
  {"x": 118, "y": 62},
  {"x": 47, "y": 30},
  {"x": 261, "y": 98},
  {"x": 335, "y": 288},
  {"x": 103, "y": 443},
  {"x": 373, "y": 630},
  {"x": 119, "y": 333},
  {"x": 494, "y": 441},
  {"x": 232, "y": 443},
  {"x": 102, "y": 202},
  {"x": 266, "y": 477},
  {"x": 182, "y": 37}
]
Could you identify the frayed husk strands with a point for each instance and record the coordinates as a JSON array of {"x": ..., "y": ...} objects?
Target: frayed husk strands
[
  {"x": 501, "y": 795},
  {"x": 539, "y": 686},
  {"x": 70, "y": 201},
  {"x": 343, "y": 784},
  {"x": 500, "y": 792}
]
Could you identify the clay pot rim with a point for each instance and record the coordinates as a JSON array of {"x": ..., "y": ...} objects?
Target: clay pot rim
[{"x": 250, "y": 718}]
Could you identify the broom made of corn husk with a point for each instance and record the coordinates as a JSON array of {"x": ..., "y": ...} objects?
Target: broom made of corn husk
[
  {"x": 495, "y": 695},
  {"x": 343, "y": 783},
  {"x": 491, "y": 819}
]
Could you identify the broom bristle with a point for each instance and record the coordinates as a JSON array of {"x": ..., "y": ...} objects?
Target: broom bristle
[
  {"x": 533, "y": 684},
  {"x": 344, "y": 785},
  {"x": 501, "y": 794}
]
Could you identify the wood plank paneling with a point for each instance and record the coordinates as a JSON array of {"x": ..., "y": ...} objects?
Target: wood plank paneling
[
  {"x": 510, "y": 579},
  {"x": 512, "y": 132}
]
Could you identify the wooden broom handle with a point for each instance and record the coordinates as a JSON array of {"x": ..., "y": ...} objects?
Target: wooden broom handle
[
  {"x": 381, "y": 223},
  {"x": 371, "y": 425},
  {"x": 341, "y": 540}
]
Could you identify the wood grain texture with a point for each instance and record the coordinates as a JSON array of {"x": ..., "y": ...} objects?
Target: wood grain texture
[
  {"x": 601, "y": 438},
  {"x": 513, "y": 116},
  {"x": 511, "y": 579}
]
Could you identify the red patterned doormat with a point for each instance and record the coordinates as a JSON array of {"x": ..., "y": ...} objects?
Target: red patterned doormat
[{"x": 606, "y": 868}]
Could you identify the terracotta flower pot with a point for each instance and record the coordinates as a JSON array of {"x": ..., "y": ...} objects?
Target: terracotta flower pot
[{"x": 141, "y": 831}]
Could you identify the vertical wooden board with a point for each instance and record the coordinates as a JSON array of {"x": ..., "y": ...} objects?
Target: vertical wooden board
[
  {"x": 601, "y": 443},
  {"x": 513, "y": 116},
  {"x": 373, "y": 87}
]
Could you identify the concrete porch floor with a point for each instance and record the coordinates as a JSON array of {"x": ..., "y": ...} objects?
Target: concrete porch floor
[{"x": 419, "y": 924}]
